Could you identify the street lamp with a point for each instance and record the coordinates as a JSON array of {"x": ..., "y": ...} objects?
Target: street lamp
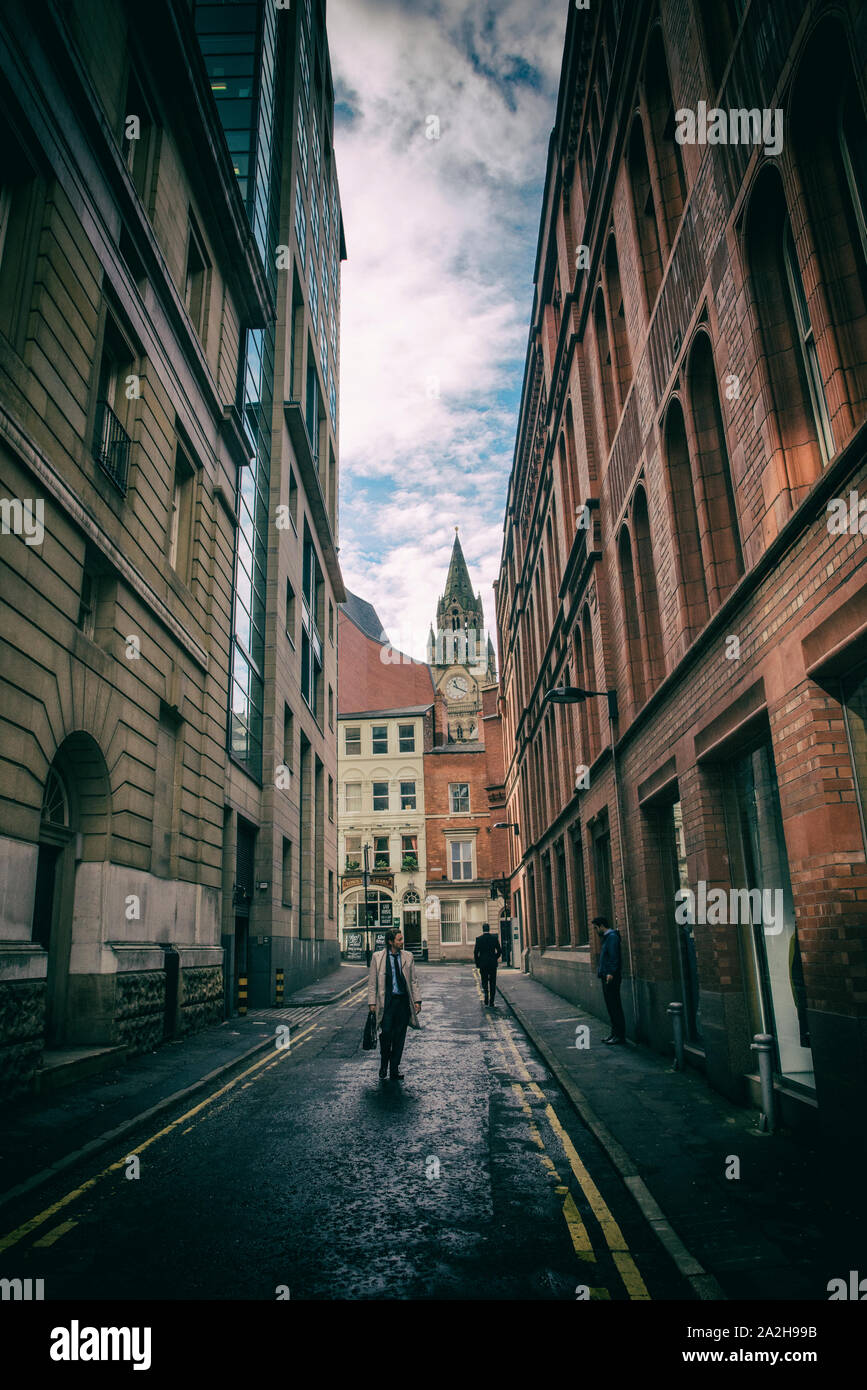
[
  {"x": 574, "y": 695},
  {"x": 366, "y": 908},
  {"x": 507, "y": 825}
]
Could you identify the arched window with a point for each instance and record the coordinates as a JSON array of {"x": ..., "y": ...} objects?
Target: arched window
[
  {"x": 721, "y": 545},
  {"x": 797, "y": 388},
  {"x": 646, "y": 224},
  {"x": 630, "y": 619},
  {"x": 622, "y": 358},
  {"x": 649, "y": 610},
  {"x": 660, "y": 110},
  {"x": 829, "y": 137},
  {"x": 586, "y": 752},
  {"x": 591, "y": 706},
  {"x": 606, "y": 374},
  {"x": 720, "y": 21},
  {"x": 566, "y": 488},
  {"x": 693, "y": 588}
]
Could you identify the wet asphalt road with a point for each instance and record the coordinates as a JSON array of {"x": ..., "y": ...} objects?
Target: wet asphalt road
[{"x": 471, "y": 1179}]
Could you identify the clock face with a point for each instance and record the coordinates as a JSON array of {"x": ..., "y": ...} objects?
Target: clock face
[{"x": 457, "y": 687}]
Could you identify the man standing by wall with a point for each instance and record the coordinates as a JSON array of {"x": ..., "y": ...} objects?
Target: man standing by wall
[
  {"x": 392, "y": 995},
  {"x": 486, "y": 954},
  {"x": 610, "y": 973}
]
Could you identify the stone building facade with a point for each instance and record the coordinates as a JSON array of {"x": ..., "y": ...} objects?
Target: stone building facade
[
  {"x": 270, "y": 76},
  {"x": 128, "y": 274},
  {"x": 168, "y": 501},
  {"x": 692, "y": 424}
]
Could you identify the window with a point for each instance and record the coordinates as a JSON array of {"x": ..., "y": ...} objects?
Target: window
[
  {"x": 409, "y": 853},
  {"x": 300, "y": 221},
  {"x": 314, "y": 219},
  {"x": 760, "y": 864},
  {"x": 196, "y": 283},
  {"x": 288, "y": 737},
  {"x": 330, "y": 707},
  {"x": 352, "y": 852},
  {"x": 314, "y": 297},
  {"x": 380, "y": 796},
  {"x": 580, "y": 927},
  {"x": 137, "y": 139},
  {"x": 807, "y": 341},
  {"x": 90, "y": 603},
  {"x": 644, "y": 208},
  {"x": 450, "y": 924},
  {"x": 462, "y": 859},
  {"x": 406, "y": 738},
  {"x": 286, "y": 880},
  {"x": 379, "y": 738},
  {"x": 381, "y": 859},
  {"x": 660, "y": 106},
  {"x": 331, "y": 798},
  {"x": 352, "y": 796},
  {"x": 330, "y": 892},
  {"x": 20, "y": 210},
  {"x": 302, "y": 144},
  {"x": 290, "y": 612},
  {"x": 407, "y": 796},
  {"x": 293, "y": 499},
  {"x": 305, "y": 69},
  {"x": 800, "y": 407},
  {"x": 181, "y": 517},
  {"x": 459, "y": 797},
  {"x": 311, "y": 642},
  {"x": 111, "y": 442},
  {"x": 330, "y": 621},
  {"x": 683, "y": 494},
  {"x": 352, "y": 742}
]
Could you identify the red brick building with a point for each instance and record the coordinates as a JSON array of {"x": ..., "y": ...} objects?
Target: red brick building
[
  {"x": 679, "y": 530},
  {"x": 464, "y": 798}
]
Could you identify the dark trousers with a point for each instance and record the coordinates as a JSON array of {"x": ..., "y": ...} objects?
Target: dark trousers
[
  {"x": 395, "y": 1021},
  {"x": 611, "y": 994},
  {"x": 489, "y": 981}
]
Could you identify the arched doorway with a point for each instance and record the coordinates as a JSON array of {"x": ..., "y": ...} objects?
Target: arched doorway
[
  {"x": 412, "y": 921},
  {"x": 73, "y": 826},
  {"x": 55, "y": 873}
]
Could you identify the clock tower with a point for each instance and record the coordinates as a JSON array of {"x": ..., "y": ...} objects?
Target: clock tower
[{"x": 460, "y": 656}]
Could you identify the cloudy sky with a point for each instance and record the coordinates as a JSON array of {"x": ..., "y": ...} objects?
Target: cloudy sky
[{"x": 437, "y": 289}]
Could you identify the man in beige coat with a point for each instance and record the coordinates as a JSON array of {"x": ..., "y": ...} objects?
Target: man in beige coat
[{"x": 392, "y": 995}]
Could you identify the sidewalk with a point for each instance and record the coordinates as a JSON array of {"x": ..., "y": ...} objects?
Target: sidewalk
[
  {"x": 41, "y": 1135},
  {"x": 781, "y": 1230}
]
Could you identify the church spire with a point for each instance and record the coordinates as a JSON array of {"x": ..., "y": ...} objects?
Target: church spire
[{"x": 459, "y": 587}]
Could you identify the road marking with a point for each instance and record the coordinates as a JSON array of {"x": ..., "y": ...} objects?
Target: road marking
[
  {"x": 54, "y": 1235},
  {"x": 626, "y": 1266},
  {"x": 577, "y": 1229},
  {"x": 39, "y": 1220}
]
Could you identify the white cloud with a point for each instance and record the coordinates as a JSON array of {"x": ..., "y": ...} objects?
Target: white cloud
[{"x": 436, "y": 291}]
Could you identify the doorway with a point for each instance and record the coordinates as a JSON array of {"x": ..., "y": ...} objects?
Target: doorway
[{"x": 53, "y": 900}]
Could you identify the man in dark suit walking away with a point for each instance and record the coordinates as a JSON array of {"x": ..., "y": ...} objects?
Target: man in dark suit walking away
[
  {"x": 486, "y": 954},
  {"x": 609, "y": 970}
]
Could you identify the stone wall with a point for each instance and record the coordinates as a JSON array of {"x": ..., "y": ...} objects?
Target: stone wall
[{"x": 22, "y": 1024}]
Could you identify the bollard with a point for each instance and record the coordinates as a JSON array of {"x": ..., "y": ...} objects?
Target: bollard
[
  {"x": 676, "y": 1011},
  {"x": 763, "y": 1044},
  {"x": 242, "y": 994},
  {"x": 279, "y": 999}
]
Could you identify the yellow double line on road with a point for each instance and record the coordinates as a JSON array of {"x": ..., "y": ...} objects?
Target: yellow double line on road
[
  {"x": 264, "y": 1064},
  {"x": 614, "y": 1238}
]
